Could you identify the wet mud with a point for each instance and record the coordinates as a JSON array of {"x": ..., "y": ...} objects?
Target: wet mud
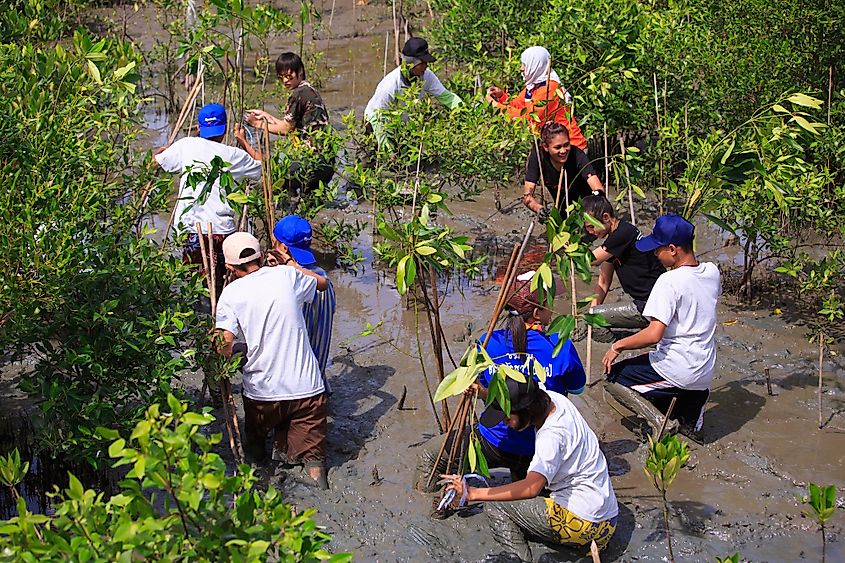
[{"x": 741, "y": 490}]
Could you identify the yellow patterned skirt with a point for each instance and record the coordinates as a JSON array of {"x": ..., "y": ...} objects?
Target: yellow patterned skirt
[{"x": 572, "y": 529}]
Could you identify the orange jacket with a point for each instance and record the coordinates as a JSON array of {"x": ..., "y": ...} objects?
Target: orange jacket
[{"x": 555, "y": 108}]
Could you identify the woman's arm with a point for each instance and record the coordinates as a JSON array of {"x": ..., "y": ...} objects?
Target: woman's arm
[
  {"x": 528, "y": 197},
  {"x": 257, "y": 117},
  {"x": 250, "y": 150},
  {"x": 595, "y": 183},
  {"x": 283, "y": 258},
  {"x": 605, "y": 278},
  {"x": 524, "y": 489}
]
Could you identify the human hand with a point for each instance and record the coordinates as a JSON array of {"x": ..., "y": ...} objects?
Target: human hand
[
  {"x": 495, "y": 92},
  {"x": 256, "y": 117},
  {"x": 608, "y": 359},
  {"x": 279, "y": 256},
  {"x": 543, "y": 214},
  {"x": 240, "y": 135},
  {"x": 454, "y": 483}
]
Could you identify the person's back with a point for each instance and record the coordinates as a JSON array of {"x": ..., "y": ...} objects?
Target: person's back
[
  {"x": 267, "y": 307},
  {"x": 203, "y": 203},
  {"x": 568, "y": 455},
  {"x": 684, "y": 299},
  {"x": 564, "y": 374}
]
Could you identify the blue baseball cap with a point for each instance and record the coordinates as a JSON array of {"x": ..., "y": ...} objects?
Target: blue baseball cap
[
  {"x": 668, "y": 229},
  {"x": 212, "y": 120},
  {"x": 295, "y": 232}
]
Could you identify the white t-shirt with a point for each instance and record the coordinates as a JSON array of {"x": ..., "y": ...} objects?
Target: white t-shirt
[
  {"x": 196, "y": 152},
  {"x": 684, "y": 299},
  {"x": 567, "y": 454},
  {"x": 266, "y": 307},
  {"x": 391, "y": 85}
]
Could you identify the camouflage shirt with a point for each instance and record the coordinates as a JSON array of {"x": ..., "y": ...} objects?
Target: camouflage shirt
[{"x": 305, "y": 109}]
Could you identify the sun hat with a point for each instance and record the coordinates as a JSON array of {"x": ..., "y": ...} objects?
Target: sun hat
[
  {"x": 668, "y": 229},
  {"x": 240, "y": 248},
  {"x": 522, "y": 396},
  {"x": 417, "y": 48},
  {"x": 212, "y": 120},
  {"x": 295, "y": 233}
]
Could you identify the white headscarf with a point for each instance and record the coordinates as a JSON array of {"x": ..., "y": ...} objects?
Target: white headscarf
[{"x": 536, "y": 61}]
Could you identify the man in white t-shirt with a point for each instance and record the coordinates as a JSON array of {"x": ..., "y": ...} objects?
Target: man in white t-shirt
[
  {"x": 567, "y": 461},
  {"x": 282, "y": 387},
  {"x": 415, "y": 59},
  {"x": 205, "y": 204},
  {"x": 682, "y": 323}
]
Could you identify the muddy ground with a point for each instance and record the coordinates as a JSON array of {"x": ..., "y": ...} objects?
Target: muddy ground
[{"x": 740, "y": 491}]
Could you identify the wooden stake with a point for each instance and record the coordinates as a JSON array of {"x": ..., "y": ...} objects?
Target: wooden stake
[
  {"x": 589, "y": 352},
  {"x": 660, "y": 152},
  {"x": 686, "y": 127},
  {"x": 666, "y": 419},
  {"x": 606, "y": 164},
  {"x": 821, "y": 375},
  {"x": 829, "y": 91},
  {"x": 628, "y": 180},
  {"x": 396, "y": 55},
  {"x": 386, "y": 45},
  {"x": 768, "y": 383},
  {"x": 267, "y": 180},
  {"x": 212, "y": 272},
  {"x": 204, "y": 252},
  {"x": 594, "y": 552}
]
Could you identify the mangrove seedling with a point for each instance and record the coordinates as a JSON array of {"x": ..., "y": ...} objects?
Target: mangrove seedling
[
  {"x": 728, "y": 559},
  {"x": 664, "y": 461},
  {"x": 12, "y": 471},
  {"x": 822, "y": 501}
]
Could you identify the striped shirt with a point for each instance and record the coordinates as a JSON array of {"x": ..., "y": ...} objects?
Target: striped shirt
[{"x": 319, "y": 317}]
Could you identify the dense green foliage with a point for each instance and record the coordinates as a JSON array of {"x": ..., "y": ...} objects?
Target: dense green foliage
[
  {"x": 177, "y": 503},
  {"x": 89, "y": 303}
]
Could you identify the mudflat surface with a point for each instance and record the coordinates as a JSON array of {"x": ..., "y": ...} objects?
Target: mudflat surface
[{"x": 741, "y": 489}]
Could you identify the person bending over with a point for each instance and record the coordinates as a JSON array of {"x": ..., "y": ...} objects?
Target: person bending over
[
  {"x": 637, "y": 271},
  {"x": 682, "y": 323},
  {"x": 539, "y": 102},
  {"x": 558, "y": 157},
  {"x": 523, "y": 337},
  {"x": 567, "y": 462},
  {"x": 414, "y": 67}
]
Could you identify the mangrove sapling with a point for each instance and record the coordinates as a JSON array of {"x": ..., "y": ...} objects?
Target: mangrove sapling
[
  {"x": 13, "y": 471},
  {"x": 177, "y": 502},
  {"x": 728, "y": 558},
  {"x": 822, "y": 501},
  {"x": 665, "y": 459}
]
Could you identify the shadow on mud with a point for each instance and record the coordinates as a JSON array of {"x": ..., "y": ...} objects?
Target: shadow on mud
[
  {"x": 356, "y": 405},
  {"x": 730, "y": 406}
]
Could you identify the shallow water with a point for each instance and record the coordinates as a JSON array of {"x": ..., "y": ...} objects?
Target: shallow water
[{"x": 740, "y": 491}]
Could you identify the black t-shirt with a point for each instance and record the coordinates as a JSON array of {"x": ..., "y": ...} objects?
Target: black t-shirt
[
  {"x": 637, "y": 271},
  {"x": 578, "y": 169}
]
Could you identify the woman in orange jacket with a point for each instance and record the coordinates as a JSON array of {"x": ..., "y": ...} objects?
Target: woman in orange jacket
[{"x": 539, "y": 102}]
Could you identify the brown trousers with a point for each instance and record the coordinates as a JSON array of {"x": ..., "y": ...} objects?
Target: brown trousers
[{"x": 299, "y": 427}]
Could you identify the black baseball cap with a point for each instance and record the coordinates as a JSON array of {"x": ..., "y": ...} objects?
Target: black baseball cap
[
  {"x": 522, "y": 395},
  {"x": 417, "y": 47}
]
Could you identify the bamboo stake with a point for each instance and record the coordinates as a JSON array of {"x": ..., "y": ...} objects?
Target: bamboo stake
[
  {"x": 606, "y": 164},
  {"x": 594, "y": 552},
  {"x": 396, "y": 56},
  {"x": 331, "y": 16},
  {"x": 686, "y": 127},
  {"x": 666, "y": 419},
  {"x": 386, "y": 45},
  {"x": 829, "y": 91},
  {"x": 660, "y": 151},
  {"x": 628, "y": 180},
  {"x": 434, "y": 332},
  {"x": 589, "y": 352},
  {"x": 768, "y": 383},
  {"x": 821, "y": 375},
  {"x": 267, "y": 178},
  {"x": 203, "y": 251}
]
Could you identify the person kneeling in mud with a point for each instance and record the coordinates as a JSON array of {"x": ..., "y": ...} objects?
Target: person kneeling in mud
[
  {"x": 637, "y": 270},
  {"x": 567, "y": 461},
  {"x": 682, "y": 313},
  {"x": 523, "y": 337}
]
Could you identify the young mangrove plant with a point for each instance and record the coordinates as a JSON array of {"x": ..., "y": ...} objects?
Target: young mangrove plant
[
  {"x": 822, "y": 502},
  {"x": 176, "y": 503},
  {"x": 665, "y": 459},
  {"x": 13, "y": 471}
]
